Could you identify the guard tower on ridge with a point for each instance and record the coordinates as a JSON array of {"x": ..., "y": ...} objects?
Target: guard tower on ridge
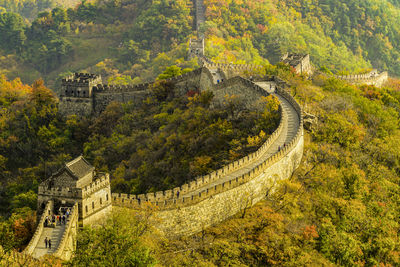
[
  {"x": 79, "y": 85},
  {"x": 78, "y": 182}
]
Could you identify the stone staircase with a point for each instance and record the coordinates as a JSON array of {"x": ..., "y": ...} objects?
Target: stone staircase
[
  {"x": 200, "y": 16},
  {"x": 55, "y": 234}
]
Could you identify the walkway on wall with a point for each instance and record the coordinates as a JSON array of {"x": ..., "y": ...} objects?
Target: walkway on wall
[
  {"x": 200, "y": 17},
  {"x": 55, "y": 234},
  {"x": 290, "y": 128}
]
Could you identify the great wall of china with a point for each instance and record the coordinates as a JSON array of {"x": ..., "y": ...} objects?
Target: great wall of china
[{"x": 201, "y": 203}]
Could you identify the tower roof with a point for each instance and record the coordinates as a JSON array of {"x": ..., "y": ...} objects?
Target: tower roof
[
  {"x": 71, "y": 174},
  {"x": 79, "y": 167}
]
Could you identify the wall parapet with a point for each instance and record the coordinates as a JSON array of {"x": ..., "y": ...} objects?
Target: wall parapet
[
  {"x": 39, "y": 229},
  {"x": 98, "y": 184},
  {"x": 168, "y": 199},
  {"x": 371, "y": 78},
  {"x": 62, "y": 250}
]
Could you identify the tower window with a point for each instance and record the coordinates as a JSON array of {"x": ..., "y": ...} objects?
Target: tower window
[
  {"x": 106, "y": 197},
  {"x": 86, "y": 209},
  {"x": 101, "y": 201},
  {"x": 92, "y": 205}
]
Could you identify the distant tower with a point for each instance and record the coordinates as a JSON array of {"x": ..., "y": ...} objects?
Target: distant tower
[
  {"x": 300, "y": 62},
  {"x": 77, "y": 94},
  {"x": 79, "y": 85}
]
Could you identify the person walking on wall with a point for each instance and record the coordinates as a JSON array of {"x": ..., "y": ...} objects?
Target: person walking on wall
[
  {"x": 45, "y": 241},
  {"x": 49, "y": 243}
]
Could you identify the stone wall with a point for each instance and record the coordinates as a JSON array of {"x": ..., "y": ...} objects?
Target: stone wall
[
  {"x": 164, "y": 198},
  {"x": 48, "y": 210},
  {"x": 96, "y": 203},
  {"x": 103, "y": 99},
  {"x": 187, "y": 215},
  {"x": 81, "y": 107},
  {"x": 249, "y": 92},
  {"x": 371, "y": 78},
  {"x": 67, "y": 245},
  {"x": 218, "y": 207}
]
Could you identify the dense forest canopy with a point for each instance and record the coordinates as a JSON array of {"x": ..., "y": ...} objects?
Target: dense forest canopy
[
  {"x": 166, "y": 141},
  {"x": 135, "y": 40},
  {"x": 341, "y": 207},
  {"x": 341, "y": 35}
]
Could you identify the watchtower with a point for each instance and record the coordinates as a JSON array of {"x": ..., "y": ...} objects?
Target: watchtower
[
  {"x": 77, "y": 94},
  {"x": 78, "y": 182},
  {"x": 300, "y": 62},
  {"x": 79, "y": 85}
]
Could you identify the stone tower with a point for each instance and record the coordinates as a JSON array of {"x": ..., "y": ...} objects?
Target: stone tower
[
  {"x": 300, "y": 62},
  {"x": 78, "y": 182},
  {"x": 76, "y": 95}
]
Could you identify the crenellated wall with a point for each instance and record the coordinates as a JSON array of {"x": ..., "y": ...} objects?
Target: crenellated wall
[
  {"x": 39, "y": 229},
  {"x": 189, "y": 214},
  {"x": 96, "y": 201},
  {"x": 371, "y": 78}
]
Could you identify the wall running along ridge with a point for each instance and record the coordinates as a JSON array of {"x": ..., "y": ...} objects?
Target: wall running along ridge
[
  {"x": 191, "y": 214},
  {"x": 372, "y": 78}
]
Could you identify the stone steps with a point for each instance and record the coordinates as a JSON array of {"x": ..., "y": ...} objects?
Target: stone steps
[{"x": 55, "y": 234}]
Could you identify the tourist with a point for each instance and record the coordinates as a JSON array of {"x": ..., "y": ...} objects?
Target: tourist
[
  {"x": 177, "y": 194},
  {"x": 63, "y": 219},
  {"x": 45, "y": 241},
  {"x": 49, "y": 243}
]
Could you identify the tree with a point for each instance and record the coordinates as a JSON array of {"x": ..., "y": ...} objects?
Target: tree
[
  {"x": 114, "y": 243},
  {"x": 12, "y": 32}
]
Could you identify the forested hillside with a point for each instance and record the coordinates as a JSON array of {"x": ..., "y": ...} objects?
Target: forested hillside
[
  {"x": 341, "y": 35},
  {"x": 163, "y": 143},
  {"x": 134, "y": 40},
  {"x": 29, "y": 9},
  {"x": 341, "y": 207}
]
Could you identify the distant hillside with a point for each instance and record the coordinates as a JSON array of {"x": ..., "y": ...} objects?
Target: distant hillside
[
  {"x": 344, "y": 35},
  {"x": 130, "y": 41},
  {"x": 29, "y": 9}
]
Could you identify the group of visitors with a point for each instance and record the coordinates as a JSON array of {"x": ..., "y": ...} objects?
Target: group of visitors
[
  {"x": 61, "y": 218},
  {"x": 53, "y": 220}
]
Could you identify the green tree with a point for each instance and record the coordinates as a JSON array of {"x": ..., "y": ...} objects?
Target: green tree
[{"x": 115, "y": 243}]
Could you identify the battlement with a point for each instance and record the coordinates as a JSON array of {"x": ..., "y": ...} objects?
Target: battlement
[
  {"x": 64, "y": 192},
  {"x": 79, "y": 85},
  {"x": 120, "y": 88},
  {"x": 101, "y": 181},
  {"x": 169, "y": 199},
  {"x": 371, "y": 78}
]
